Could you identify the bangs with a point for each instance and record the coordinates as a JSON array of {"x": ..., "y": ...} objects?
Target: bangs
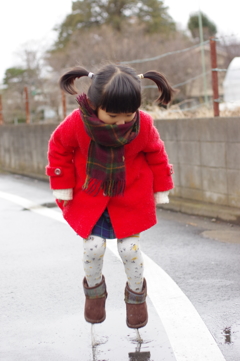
[{"x": 122, "y": 95}]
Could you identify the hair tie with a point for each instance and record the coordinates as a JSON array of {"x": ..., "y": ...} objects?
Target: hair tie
[
  {"x": 90, "y": 75},
  {"x": 141, "y": 76}
]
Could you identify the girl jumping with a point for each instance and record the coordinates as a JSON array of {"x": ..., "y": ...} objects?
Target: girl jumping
[{"x": 108, "y": 169}]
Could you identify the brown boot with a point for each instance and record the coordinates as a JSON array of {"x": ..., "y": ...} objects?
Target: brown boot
[
  {"x": 95, "y": 301},
  {"x": 137, "y": 315}
]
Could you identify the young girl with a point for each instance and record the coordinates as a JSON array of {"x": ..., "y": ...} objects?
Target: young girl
[{"x": 108, "y": 168}]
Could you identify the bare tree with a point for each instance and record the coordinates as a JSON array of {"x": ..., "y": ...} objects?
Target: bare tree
[{"x": 98, "y": 46}]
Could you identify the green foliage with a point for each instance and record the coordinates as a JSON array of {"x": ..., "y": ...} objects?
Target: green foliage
[
  {"x": 14, "y": 75},
  {"x": 209, "y": 28},
  {"x": 84, "y": 14},
  {"x": 152, "y": 14},
  {"x": 116, "y": 11}
]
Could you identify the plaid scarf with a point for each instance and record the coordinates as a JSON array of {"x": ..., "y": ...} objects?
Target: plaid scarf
[{"x": 105, "y": 163}]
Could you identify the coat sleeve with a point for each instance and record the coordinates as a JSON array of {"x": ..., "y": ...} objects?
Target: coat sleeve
[
  {"x": 157, "y": 160},
  {"x": 61, "y": 148}
]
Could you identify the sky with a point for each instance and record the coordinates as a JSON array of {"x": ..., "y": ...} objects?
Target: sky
[{"x": 28, "y": 23}]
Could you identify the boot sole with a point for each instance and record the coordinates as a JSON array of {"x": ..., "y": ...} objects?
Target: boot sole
[
  {"x": 95, "y": 321},
  {"x": 137, "y": 326}
]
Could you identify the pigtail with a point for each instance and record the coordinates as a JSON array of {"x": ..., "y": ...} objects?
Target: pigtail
[
  {"x": 66, "y": 81},
  {"x": 163, "y": 86}
]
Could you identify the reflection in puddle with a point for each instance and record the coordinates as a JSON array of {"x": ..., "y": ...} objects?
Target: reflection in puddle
[
  {"x": 96, "y": 343},
  {"x": 227, "y": 335},
  {"x": 138, "y": 355}
]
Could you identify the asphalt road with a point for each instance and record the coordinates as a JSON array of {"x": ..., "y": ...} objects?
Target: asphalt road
[{"x": 192, "y": 268}]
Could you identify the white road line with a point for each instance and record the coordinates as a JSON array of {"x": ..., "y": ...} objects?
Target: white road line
[
  {"x": 25, "y": 203},
  {"x": 188, "y": 335}
]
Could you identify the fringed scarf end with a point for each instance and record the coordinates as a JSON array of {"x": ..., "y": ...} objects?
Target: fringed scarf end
[
  {"x": 91, "y": 186},
  {"x": 113, "y": 188},
  {"x": 110, "y": 188}
]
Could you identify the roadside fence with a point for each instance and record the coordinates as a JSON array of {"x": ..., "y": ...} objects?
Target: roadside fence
[{"x": 214, "y": 71}]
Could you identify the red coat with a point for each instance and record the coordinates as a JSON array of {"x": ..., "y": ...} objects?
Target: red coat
[{"x": 147, "y": 172}]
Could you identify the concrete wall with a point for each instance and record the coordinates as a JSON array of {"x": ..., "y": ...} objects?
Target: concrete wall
[
  {"x": 206, "y": 157},
  {"x": 205, "y": 154},
  {"x": 23, "y": 148}
]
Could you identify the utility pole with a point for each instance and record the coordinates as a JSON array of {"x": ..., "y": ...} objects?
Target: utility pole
[
  {"x": 1, "y": 110},
  {"x": 214, "y": 76},
  {"x": 64, "y": 106},
  {"x": 202, "y": 56},
  {"x": 27, "y": 105}
]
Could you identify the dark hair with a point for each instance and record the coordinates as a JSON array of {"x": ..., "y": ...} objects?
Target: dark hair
[{"x": 116, "y": 88}]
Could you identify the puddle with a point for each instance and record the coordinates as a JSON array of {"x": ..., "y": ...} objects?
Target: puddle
[
  {"x": 223, "y": 236},
  {"x": 231, "y": 335},
  {"x": 139, "y": 356},
  {"x": 49, "y": 205},
  {"x": 227, "y": 335},
  {"x": 120, "y": 343},
  {"x": 46, "y": 205}
]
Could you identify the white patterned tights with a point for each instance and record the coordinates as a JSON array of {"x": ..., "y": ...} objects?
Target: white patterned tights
[{"x": 129, "y": 250}]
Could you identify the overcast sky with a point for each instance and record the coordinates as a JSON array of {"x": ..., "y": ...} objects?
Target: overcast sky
[{"x": 28, "y": 21}]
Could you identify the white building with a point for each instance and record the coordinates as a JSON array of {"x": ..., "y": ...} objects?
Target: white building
[{"x": 231, "y": 84}]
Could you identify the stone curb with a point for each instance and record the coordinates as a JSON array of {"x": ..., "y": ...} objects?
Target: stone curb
[{"x": 188, "y": 206}]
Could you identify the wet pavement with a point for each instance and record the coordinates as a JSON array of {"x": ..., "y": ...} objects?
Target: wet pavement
[{"x": 195, "y": 295}]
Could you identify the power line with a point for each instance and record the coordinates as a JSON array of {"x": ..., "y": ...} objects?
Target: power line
[
  {"x": 180, "y": 84},
  {"x": 197, "y": 106},
  {"x": 191, "y": 79},
  {"x": 187, "y": 109},
  {"x": 227, "y": 36},
  {"x": 220, "y": 70},
  {"x": 174, "y": 52},
  {"x": 163, "y": 55}
]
